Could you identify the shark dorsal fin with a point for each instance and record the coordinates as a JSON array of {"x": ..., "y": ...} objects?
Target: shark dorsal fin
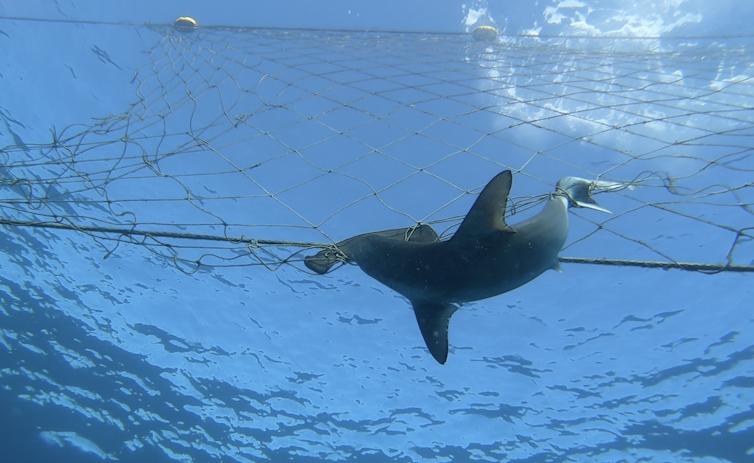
[
  {"x": 434, "y": 318},
  {"x": 488, "y": 212}
]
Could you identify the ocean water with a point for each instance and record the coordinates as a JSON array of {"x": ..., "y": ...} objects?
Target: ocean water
[{"x": 130, "y": 347}]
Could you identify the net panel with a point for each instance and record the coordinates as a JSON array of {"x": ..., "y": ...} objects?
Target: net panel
[{"x": 252, "y": 147}]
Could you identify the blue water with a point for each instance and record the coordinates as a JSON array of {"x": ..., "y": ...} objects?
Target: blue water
[{"x": 113, "y": 353}]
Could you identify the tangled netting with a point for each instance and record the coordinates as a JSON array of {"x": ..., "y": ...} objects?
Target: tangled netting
[{"x": 251, "y": 147}]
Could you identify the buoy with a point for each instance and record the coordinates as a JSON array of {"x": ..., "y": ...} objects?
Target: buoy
[
  {"x": 485, "y": 33},
  {"x": 185, "y": 24}
]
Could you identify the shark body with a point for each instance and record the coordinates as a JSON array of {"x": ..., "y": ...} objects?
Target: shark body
[{"x": 485, "y": 257}]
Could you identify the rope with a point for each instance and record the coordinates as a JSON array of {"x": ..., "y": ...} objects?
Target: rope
[{"x": 686, "y": 266}]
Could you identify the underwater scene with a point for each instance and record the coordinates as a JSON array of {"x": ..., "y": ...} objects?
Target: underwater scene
[{"x": 384, "y": 232}]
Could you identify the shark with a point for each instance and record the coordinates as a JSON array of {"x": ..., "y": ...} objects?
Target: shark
[{"x": 484, "y": 258}]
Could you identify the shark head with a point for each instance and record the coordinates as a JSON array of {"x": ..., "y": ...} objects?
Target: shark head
[{"x": 579, "y": 190}]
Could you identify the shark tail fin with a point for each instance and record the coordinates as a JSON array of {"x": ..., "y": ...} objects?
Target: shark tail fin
[
  {"x": 434, "y": 319},
  {"x": 579, "y": 190}
]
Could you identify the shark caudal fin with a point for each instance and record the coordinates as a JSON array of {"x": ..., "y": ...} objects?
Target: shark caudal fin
[
  {"x": 579, "y": 191},
  {"x": 434, "y": 318},
  {"x": 323, "y": 261}
]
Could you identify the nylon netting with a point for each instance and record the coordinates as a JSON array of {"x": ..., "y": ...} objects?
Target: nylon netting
[{"x": 253, "y": 147}]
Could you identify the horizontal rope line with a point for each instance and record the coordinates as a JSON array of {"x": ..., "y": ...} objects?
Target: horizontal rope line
[
  {"x": 159, "y": 234},
  {"x": 687, "y": 266}
]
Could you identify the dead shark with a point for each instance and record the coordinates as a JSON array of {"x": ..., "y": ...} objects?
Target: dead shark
[{"x": 484, "y": 258}]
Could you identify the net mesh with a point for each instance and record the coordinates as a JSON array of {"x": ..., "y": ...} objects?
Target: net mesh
[{"x": 252, "y": 147}]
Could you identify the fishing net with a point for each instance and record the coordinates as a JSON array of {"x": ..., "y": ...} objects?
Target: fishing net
[{"x": 256, "y": 147}]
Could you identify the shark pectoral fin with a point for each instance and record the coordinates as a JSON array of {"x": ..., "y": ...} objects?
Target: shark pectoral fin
[
  {"x": 434, "y": 319},
  {"x": 556, "y": 266}
]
